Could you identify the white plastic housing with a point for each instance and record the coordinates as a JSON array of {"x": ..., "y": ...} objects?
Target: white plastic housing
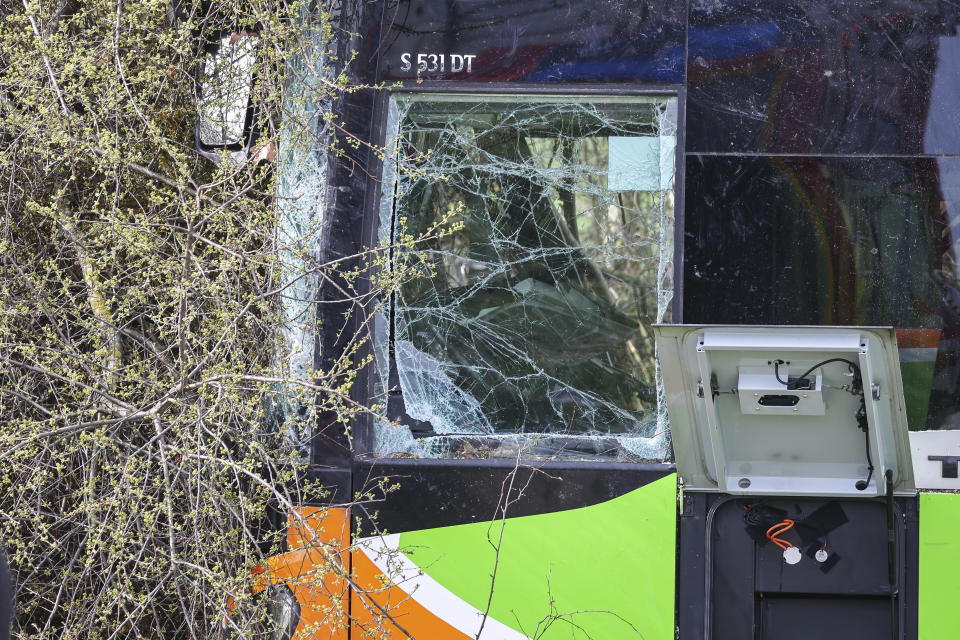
[
  {"x": 758, "y": 389},
  {"x": 722, "y": 442}
]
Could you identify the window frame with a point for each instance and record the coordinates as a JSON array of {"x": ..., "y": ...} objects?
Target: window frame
[{"x": 362, "y": 432}]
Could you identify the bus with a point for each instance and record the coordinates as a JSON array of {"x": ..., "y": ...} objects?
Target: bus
[{"x": 748, "y": 190}]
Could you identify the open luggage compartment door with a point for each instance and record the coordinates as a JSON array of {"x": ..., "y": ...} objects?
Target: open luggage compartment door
[{"x": 799, "y": 511}]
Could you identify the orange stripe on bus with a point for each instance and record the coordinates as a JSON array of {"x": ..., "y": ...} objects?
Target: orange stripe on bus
[
  {"x": 381, "y": 610},
  {"x": 918, "y": 338},
  {"x": 319, "y": 540}
]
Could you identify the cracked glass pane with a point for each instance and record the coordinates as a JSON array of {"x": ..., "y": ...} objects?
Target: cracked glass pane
[
  {"x": 301, "y": 205},
  {"x": 525, "y": 329}
]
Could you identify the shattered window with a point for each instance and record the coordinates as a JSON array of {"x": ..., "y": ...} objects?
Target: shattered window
[{"x": 548, "y": 253}]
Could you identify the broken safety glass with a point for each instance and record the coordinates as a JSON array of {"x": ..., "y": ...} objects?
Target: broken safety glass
[{"x": 535, "y": 235}]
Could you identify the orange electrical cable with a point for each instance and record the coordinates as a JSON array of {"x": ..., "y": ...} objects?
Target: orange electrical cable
[
  {"x": 774, "y": 531},
  {"x": 780, "y": 543}
]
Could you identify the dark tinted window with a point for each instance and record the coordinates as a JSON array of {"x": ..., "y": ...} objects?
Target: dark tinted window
[
  {"x": 823, "y": 76},
  {"x": 849, "y": 241},
  {"x": 534, "y": 40}
]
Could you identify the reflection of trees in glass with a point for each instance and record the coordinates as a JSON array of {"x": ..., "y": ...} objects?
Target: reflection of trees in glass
[{"x": 539, "y": 305}]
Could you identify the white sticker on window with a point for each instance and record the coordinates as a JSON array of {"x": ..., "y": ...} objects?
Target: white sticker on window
[{"x": 641, "y": 163}]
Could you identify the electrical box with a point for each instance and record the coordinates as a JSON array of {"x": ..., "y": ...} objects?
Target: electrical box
[
  {"x": 764, "y": 394},
  {"x": 812, "y": 411},
  {"x": 799, "y": 511}
]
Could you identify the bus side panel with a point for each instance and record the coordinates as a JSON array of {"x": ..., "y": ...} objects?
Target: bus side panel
[
  {"x": 600, "y": 571},
  {"x": 314, "y": 567},
  {"x": 939, "y": 565}
]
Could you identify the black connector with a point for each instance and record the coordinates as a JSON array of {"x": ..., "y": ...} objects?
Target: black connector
[
  {"x": 762, "y": 515},
  {"x": 792, "y": 383}
]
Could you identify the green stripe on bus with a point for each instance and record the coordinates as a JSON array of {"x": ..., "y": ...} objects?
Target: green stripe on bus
[
  {"x": 604, "y": 571},
  {"x": 939, "y": 566}
]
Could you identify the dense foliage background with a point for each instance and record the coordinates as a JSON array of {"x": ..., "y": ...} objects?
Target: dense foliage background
[{"x": 140, "y": 316}]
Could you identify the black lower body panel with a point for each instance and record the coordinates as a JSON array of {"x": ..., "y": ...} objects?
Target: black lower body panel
[{"x": 735, "y": 584}]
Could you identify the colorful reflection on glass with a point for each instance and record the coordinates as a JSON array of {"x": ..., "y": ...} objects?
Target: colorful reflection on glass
[
  {"x": 534, "y": 41},
  {"x": 828, "y": 76},
  {"x": 848, "y": 241}
]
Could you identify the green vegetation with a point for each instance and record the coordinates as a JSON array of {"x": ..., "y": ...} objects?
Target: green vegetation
[{"x": 141, "y": 308}]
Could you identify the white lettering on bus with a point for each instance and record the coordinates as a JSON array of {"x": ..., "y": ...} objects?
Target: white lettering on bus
[{"x": 437, "y": 62}]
